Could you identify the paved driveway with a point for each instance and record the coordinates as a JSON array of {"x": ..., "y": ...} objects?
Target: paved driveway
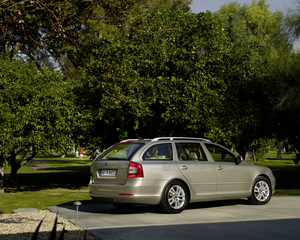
[{"x": 236, "y": 219}]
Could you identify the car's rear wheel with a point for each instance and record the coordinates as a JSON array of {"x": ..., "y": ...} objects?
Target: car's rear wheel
[
  {"x": 261, "y": 191},
  {"x": 175, "y": 198},
  {"x": 122, "y": 206}
]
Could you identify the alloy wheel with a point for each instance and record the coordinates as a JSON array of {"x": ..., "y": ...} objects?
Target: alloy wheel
[{"x": 176, "y": 197}]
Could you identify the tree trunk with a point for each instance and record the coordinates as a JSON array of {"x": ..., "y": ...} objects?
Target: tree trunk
[
  {"x": 14, "y": 169},
  {"x": 297, "y": 159},
  {"x": 2, "y": 173},
  {"x": 280, "y": 145},
  {"x": 253, "y": 156},
  {"x": 242, "y": 153},
  {"x": 241, "y": 148},
  {"x": 1, "y": 178},
  {"x": 15, "y": 166}
]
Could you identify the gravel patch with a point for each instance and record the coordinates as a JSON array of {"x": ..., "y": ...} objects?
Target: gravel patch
[{"x": 23, "y": 225}]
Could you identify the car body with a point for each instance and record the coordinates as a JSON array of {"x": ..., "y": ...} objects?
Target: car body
[{"x": 175, "y": 171}]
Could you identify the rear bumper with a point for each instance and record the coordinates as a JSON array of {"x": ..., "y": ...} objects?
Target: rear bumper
[{"x": 132, "y": 192}]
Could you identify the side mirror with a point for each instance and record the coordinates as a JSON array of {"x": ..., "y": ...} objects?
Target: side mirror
[{"x": 238, "y": 160}]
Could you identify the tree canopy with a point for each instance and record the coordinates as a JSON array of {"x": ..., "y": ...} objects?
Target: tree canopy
[
  {"x": 174, "y": 72},
  {"x": 56, "y": 33},
  {"x": 36, "y": 112},
  {"x": 150, "y": 68},
  {"x": 258, "y": 31}
]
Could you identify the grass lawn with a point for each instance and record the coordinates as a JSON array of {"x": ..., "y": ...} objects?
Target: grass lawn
[
  {"x": 42, "y": 199},
  {"x": 40, "y": 189},
  {"x": 287, "y": 174},
  {"x": 68, "y": 183}
]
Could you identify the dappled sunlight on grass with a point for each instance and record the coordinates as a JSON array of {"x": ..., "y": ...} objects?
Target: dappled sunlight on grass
[
  {"x": 287, "y": 174},
  {"x": 70, "y": 174}
]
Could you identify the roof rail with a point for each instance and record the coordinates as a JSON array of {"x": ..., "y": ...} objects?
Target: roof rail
[
  {"x": 180, "y": 138},
  {"x": 129, "y": 140}
]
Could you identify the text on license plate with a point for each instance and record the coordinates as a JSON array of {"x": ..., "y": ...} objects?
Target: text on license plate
[{"x": 108, "y": 173}]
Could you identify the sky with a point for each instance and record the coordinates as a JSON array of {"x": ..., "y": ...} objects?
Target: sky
[{"x": 214, "y": 5}]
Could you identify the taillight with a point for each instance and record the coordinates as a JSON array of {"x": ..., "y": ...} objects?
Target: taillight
[{"x": 135, "y": 170}]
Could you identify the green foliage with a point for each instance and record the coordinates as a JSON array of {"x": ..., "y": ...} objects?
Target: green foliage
[
  {"x": 285, "y": 69},
  {"x": 286, "y": 65},
  {"x": 261, "y": 147},
  {"x": 171, "y": 72},
  {"x": 160, "y": 76},
  {"x": 141, "y": 5},
  {"x": 150, "y": 67},
  {"x": 252, "y": 25},
  {"x": 249, "y": 98},
  {"x": 48, "y": 31},
  {"x": 45, "y": 31},
  {"x": 36, "y": 28},
  {"x": 36, "y": 111}
]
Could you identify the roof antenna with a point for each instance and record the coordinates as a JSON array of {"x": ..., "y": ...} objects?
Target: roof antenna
[{"x": 139, "y": 138}]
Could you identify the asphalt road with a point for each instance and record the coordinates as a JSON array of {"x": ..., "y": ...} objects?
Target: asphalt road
[{"x": 236, "y": 219}]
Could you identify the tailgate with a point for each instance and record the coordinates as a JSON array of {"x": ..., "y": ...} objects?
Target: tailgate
[
  {"x": 112, "y": 165},
  {"x": 114, "y": 172}
]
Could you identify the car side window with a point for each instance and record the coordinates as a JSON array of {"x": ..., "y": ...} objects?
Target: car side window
[
  {"x": 159, "y": 152},
  {"x": 190, "y": 152},
  {"x": 220, "y": 154}
]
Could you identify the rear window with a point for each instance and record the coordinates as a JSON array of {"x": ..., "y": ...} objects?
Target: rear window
[{"x": 120, "y": 151}]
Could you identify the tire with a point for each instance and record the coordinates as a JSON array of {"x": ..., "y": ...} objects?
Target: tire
[
  {"x": 261, "y": 191},
  {"x": 122, "y": 206},
  {"x": 175, "y": 198}
]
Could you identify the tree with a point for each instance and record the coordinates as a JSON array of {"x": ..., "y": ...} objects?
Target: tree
[
  {"x": 173, "y": 73},
  {"x": 257, "y": 30},
  {"x": 290, "y": 83},
  {"x": 252, "y": 25},
  {"x": 286, "y": 69},
  {"x": 152, "y": 78},
  {"x": 33, "y": 27},
  {"x": 52, "y": 33},
  {"x": 292, "y": 22},
  {"x": 36, "y": 112}
]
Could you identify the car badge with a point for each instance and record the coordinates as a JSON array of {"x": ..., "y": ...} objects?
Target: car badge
[{"x": 105, "y": 164}]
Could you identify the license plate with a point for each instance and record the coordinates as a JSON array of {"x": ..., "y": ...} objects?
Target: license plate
[{"x": 110, "y": 173}]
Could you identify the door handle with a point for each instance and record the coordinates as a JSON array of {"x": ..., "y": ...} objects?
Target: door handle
[
  {"x": 219, "y": 168},
  {"x": 184, "y": 167}
]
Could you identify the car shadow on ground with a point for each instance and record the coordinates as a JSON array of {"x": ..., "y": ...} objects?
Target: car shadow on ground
[
  {"x": 215, "y": 204},
  {"x": 107, "y": 208}
]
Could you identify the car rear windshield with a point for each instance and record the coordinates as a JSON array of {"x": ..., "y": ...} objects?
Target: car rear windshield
[{"x": 120, "y": 151}]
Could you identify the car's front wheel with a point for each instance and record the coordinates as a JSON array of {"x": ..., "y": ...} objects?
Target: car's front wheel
[
  {"x": 261, "y": 191},
  {"x": 175, "y": 198}
]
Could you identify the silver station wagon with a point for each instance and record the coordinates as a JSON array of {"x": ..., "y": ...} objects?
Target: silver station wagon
[{"x": 175, "y": 171}]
